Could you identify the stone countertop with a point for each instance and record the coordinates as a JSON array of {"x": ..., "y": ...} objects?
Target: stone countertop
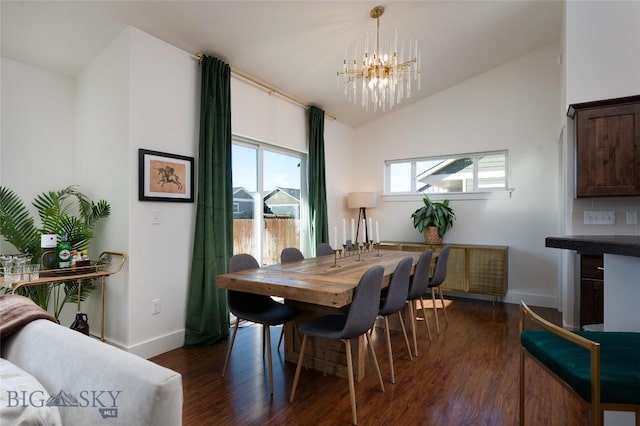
[{"x": 625, "y": 245}]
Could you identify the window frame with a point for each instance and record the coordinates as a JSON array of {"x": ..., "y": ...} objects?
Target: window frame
[
  {"x": 260, "y": 147},
  {"x": 477, "y": 193}
]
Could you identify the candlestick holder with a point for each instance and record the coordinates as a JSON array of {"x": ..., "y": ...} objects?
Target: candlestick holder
[
  {"x": 377, "y": 246},
  {"x": 359, "y": 249},
  {"x": 335, "y": 258}
]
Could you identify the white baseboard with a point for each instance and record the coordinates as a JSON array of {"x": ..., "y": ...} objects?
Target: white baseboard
[
  {"x": 532, "y": 299},
  {"x": 158, "y": 345},
  {"x": 513, "y": 297}
]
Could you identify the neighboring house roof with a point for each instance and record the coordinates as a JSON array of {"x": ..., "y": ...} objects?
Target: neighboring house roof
[
  {"x": 240, "y": 192},
  {"x": 283, "y": 195},
  {"x": 440, "y": 169}
]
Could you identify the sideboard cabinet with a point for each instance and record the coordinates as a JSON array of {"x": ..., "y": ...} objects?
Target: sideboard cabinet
[
  {"x": 475, "y": 269},
  {"x": 607, "y": 147}
]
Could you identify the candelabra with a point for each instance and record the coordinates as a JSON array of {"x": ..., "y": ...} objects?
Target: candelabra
[{"x": 335, "y": 258}]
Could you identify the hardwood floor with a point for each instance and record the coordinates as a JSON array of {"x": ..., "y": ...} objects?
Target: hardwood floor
[{"x": 468, "y": 375}]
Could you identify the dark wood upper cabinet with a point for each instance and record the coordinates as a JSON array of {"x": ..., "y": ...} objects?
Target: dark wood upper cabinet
[{"x": 607, "y": 147}]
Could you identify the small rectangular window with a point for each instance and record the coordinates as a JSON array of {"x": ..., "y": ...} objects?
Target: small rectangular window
[{"x": 479, "y": 172}]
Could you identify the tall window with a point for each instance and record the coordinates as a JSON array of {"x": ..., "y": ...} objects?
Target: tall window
[
  {"x": 268, "y": 187},
  {"x": 480, "y": 172}
]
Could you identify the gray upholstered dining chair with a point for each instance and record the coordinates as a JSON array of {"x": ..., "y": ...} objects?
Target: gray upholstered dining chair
[
  {"x": 393, "y": 299},
  {"x": 255, "y": 308},
  {"x": 434, "y": 284},
  {"x": 417, "y": 288},
  {"x": 291, "y": 254},
  {"x": 324, "y": 249},
  {"x": 357, "y": 322}
]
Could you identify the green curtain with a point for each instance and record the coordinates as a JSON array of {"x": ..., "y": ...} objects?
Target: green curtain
[
  {"x": 319, "y": 221},
  {"x": 207, "y": 310}
]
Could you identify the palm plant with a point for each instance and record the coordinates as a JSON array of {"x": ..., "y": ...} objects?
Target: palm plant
[{"x": 56, "y": 213}]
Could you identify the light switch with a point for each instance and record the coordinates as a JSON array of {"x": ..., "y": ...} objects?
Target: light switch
[{"x": 155, "y": 217}]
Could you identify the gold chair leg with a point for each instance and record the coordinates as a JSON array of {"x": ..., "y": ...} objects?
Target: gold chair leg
[
  {"x": 389, "y": 351},
  {"x": 412, "y": 315},
  {"x": 352, "y": 390},
  {"x": 326, "y": 357},
  {"x": 299, "y": 366},
  {"x": 281, "y": 336},
  {"x": 435, "y": 310},
  {"x": 404, "y": 332},
  {"x": 444, "y": 308},
  {"x": 426, "y": 321},
  {"x": 522, "y": 388},
  {"x": 375, "y": 362},
  {"x": 268, "y": 339},
  {"x": 233, "y": 339}
]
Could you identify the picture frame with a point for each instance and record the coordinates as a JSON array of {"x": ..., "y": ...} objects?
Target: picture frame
[{"x": 164, "y": 177}]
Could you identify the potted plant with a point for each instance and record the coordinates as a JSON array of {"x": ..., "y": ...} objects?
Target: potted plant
[
  {"x": 434, "y": 219},
  {"x": 56, "y": 212}
]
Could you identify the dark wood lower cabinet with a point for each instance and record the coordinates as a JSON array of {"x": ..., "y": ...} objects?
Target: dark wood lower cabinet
[{"x": 591, "y": 290}]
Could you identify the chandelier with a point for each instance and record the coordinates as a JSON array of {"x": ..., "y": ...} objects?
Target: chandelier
[{"x": 384, "y": 77}]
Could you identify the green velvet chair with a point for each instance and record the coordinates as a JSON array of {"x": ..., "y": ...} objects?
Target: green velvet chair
[{"x": 600, "y": 367}]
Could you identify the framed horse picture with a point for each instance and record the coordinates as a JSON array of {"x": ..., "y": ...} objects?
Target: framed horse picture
[{"x": 164, "y": 177}]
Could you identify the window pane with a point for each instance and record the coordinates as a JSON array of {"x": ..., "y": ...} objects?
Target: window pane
[
  {"x": 282, "y": 177},
  {"x": 444, "y": 175},
  {"x": 491, "y": 172},
  {"x": 281, "y": 170},
  {"x": 476, "y": 172},
  {"x": 244, "y": 162},
  {"x": 400, "y": 177}
]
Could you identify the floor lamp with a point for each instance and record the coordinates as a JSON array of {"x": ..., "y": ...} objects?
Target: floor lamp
[{"x": 362, "y": 201}]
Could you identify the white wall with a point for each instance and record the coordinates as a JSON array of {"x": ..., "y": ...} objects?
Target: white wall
[
  {"x": 603, "y": 41},
  {"x": 268, "y": 118},
  {"x": 36, "y": 139},
  {"x": 164, "y": 115},
  {"x": 514, "y": 107},
  {"x": 601, "y": 61},
  {"x": 139, "y": 92},
  {"x": 101, "y": 142}
]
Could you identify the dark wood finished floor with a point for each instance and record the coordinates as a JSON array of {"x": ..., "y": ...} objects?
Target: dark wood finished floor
[{"x": 467, "y": 376}]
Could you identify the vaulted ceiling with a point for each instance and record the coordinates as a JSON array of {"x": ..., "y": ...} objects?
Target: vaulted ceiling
[{"x": 296, "y": 46}]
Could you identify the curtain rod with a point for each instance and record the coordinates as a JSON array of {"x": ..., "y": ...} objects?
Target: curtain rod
[{"x": 266, "y": 87}]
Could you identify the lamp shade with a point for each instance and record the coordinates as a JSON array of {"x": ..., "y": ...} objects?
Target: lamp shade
[{"x": 355, "y": 200}]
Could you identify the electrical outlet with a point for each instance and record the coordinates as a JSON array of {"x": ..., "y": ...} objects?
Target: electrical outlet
[
  {"x": 600, "y": 218},
  {"x": 155, "y": 306},
  {"x": 632, "y": 218}
]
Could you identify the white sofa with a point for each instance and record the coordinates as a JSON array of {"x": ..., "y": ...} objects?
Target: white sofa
[{"x": 92, "y": 383}]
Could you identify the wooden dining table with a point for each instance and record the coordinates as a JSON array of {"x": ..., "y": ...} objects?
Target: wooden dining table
[{"x": 317, "y": 286}]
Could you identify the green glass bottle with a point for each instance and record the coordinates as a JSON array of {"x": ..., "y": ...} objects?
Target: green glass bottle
[{"x": 63, "y": 251}]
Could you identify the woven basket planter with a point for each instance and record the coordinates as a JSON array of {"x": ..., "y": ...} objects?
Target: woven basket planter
[{"x": 431, "y": 236}]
